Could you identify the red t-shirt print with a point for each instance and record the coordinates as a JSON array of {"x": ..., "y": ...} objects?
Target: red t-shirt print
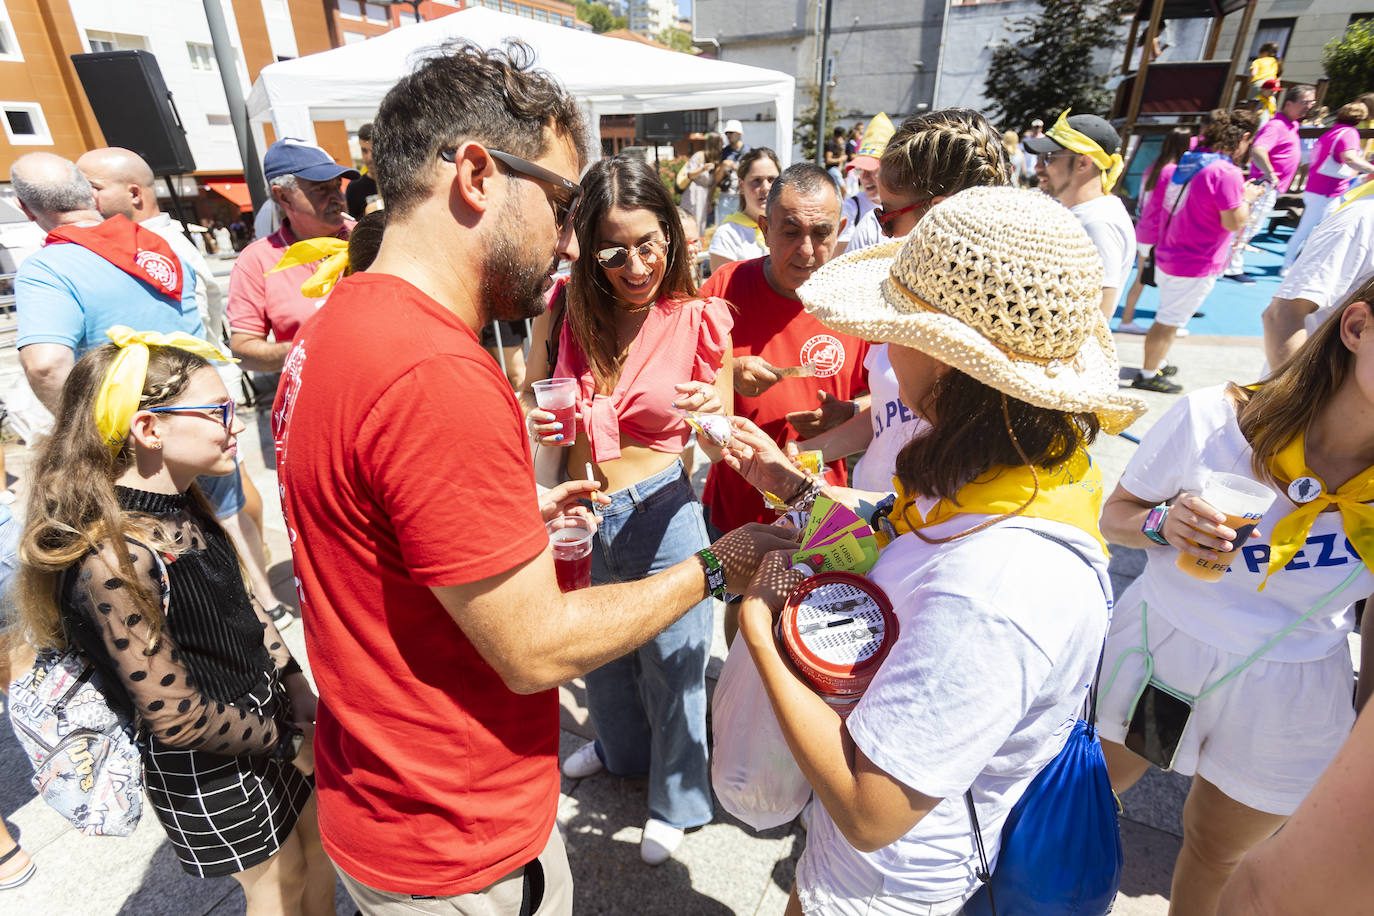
[
  {"x": 404, "y": 465},
  {"x": 781, "y": 331}
]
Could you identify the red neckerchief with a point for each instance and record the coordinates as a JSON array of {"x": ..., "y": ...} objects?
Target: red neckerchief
[{"x": 140, "y": 253}]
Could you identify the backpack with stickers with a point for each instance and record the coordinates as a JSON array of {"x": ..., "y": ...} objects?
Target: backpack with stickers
[{"x": 84, "y": 750}]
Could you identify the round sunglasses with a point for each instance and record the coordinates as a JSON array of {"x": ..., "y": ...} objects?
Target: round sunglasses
[{"x": 649, "y": 253}]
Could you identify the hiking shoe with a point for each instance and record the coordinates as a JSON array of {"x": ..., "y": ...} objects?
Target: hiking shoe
[
  {"x": 1155, "y": 383},
  {"x": 1168, "y": 370},
  {"x": 1131, "y": 327}
]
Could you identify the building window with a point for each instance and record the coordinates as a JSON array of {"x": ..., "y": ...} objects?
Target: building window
[
  {"x": 352, "y": 38},
  {"x": 1279, "y": 31},
  {"x": 407, "y": 17},
  {"x": 526, "y": 12},
  {"x": 115, "y": 41},
  {"x": 24, "y": 124},
  {"x": 202, "y": 56},
  {"x": 375, "y": 12},
  {"x": 9, "y": 44},
  {"x": 508, "y": 6},
  {"x": 352, "y": 8}
]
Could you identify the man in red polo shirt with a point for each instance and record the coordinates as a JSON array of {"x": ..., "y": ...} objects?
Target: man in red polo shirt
[
  {"x": 305, "y": 184},
  {"x": 801, "y": 225},
  {"x": 436, "y": 630}
]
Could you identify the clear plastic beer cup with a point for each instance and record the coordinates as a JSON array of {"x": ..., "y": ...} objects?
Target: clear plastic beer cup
[{"x": 1244, "y": 502}]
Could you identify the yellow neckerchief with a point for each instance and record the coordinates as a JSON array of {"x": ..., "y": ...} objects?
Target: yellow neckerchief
[
  {"x": 1070, "y": 493},
  {"x": 122, "y": 388},
  {"x": 1290, "y": 533},
  {"x": 1071, "y": 139},
  {"x": 740, "y": 217},
  {"x": 333, "y": 251},
  {"x": 1354, "y": 194}
]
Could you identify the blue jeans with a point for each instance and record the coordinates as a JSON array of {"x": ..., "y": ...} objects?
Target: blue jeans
[{"x": 649, "y": 706}]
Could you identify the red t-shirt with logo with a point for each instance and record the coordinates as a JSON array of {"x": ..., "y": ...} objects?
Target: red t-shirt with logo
[
  {"x": 404, "y": 464},
  {"x": 781, "y": 331}
]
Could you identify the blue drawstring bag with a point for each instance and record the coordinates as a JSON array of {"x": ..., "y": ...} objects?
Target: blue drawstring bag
[{"x": 1061, "y": 843}]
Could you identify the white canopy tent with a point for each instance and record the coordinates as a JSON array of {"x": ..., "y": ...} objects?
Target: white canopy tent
[{"x": 605, "y": 75}]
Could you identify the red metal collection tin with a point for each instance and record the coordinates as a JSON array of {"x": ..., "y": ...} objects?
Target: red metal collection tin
[{"x": 837, "y": 628}]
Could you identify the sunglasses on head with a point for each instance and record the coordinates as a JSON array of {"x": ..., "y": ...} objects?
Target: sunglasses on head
[
  {"x": 224, "y": 412},
  {"x": 564, "y": 204},
  {"x": 887, "y": 217},
  {"x": 649, "y": 253}
]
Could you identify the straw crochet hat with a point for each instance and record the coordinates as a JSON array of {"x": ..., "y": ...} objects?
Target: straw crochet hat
[{"x": 1000, "y": 283}]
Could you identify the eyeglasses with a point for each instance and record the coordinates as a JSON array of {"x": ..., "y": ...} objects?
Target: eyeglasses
[
  {"x": 649, "y": 253},
  {"x": 887, "y": 217},
  {"x": 564, "y": 205},
  {"x": 225, "y": 410},
  {"x": 1045, "y": 158}
]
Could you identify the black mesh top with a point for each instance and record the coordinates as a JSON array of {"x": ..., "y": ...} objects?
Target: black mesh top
[{"x": 214, "y": 648}]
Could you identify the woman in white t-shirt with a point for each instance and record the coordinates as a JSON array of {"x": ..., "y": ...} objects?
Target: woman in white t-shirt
[
  {"x": 929, "y": 157},
  {"x": 1263, "y": 651},
  {"x": 997, "y": 572},
  {"x": 739, "y": 237}
]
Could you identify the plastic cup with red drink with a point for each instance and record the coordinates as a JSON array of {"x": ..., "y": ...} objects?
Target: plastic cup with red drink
[
  {"x": 559, "y": 397},
  {"x": 571, "y": 540}
]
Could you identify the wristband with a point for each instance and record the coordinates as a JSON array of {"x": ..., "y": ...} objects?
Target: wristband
[
  {"x": 715, "y": 575},
  {"x": 804, "y": 503},
  {"x": 1154, "y": 524}
]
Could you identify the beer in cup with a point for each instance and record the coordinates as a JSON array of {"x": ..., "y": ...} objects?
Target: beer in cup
[
  {"x": 1244, "y": 502},
  {"x": 559, "y": 397}
]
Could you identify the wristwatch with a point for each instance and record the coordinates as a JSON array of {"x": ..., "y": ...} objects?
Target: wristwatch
[
  {"x": 715, "y": 575},
  {"x": 1154, "y": 524}
]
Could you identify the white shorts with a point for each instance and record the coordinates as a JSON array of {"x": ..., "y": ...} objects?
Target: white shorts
[
  {"x": 1180, "y": 297},
  {"x": 857, "y": 894},
  {"x": 1263, "y": 738},
  {"x": 1143, "y": 251}
]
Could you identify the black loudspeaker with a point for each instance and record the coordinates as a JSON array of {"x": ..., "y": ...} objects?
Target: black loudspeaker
[
  {"x": 134, "y": 108},
  {"x": 661, "y": 125}
]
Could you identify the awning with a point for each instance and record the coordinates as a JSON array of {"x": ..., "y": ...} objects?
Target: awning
[{"x": 236, "y": 192}]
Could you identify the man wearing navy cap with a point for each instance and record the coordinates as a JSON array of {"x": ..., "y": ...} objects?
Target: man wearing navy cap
[{"x": 306, "y": 186}]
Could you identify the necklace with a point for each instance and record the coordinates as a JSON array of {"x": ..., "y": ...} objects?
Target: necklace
[{"x": 637, "y": 309}]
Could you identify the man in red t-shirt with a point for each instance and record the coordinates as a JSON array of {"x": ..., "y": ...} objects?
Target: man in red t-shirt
[
  {"x": 801, "y": 225},
  {"x": 434, "y": 623}
]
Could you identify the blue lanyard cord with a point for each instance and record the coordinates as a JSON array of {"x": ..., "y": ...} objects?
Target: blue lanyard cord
[{"x": 1144, "y": 647}]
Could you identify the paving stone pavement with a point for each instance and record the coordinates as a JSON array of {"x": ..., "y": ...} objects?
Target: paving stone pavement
[{"x": 722, "y": 868}]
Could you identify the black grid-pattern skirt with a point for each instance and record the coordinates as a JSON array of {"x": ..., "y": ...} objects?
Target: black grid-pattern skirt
[{"x": 222, "y": 814}]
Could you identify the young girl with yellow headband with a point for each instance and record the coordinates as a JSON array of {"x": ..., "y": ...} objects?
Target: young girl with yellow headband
[
  {"x": 114, "y": 528},
  {"x": 1261, "y": 655}
]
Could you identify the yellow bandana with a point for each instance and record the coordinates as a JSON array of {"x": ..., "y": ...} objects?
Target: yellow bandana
[
  {"x": 1071, "y": 139},
  {"x": 1358, "y": 192},
  {"x": 1070, "y": 493},
  {"x": 1290, "y": 533},
  {"x": 333, "y": 251},
  {"x": 739, "y": 217},
  {"x": 122, "y": 388}
]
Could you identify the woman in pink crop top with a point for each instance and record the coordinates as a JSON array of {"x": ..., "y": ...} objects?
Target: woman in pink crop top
[{"x": 643, "y": 348}]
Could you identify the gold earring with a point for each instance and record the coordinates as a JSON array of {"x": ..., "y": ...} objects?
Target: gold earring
[{"x": 157, "y": 444}]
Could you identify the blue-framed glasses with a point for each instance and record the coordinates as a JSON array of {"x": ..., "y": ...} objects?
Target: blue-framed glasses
[{"x": 224, "y": 412}]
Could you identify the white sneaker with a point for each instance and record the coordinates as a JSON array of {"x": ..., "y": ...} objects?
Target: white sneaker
[
  {"x": 1131, "y": 327},
  {"x": 1181, "y": 332},
  {"x": 583, "y": 762},
  {"x": 660, "y": 841}
]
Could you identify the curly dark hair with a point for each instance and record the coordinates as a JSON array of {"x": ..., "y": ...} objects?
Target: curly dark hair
[{"x": 463, "y": 92}]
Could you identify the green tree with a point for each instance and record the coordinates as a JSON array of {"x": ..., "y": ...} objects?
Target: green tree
[
  {"x": 1349, "y": 62},
  {"x": 804, "y": 131},
  {"x": 677, "y": 39},
  {"x": 1048, "y": 64},
  {"x": 599, "y": 17}
]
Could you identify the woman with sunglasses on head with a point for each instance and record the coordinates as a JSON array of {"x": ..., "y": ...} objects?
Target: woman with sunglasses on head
[
  {"x": 930, "y": 157},
  {"x": 1246, "y": 675},
  {"x": 739, "y": 238},
  {"x": 116, "y": 533},
  {"x": 996, "y": 569},
  {"x": 644, "y": 349}
]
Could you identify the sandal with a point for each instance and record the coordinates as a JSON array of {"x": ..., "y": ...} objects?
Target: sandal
[{"x": 19, "y": 877}]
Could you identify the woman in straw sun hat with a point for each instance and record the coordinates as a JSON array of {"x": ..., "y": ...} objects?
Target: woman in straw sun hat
[{"x": 990, "y": 308}]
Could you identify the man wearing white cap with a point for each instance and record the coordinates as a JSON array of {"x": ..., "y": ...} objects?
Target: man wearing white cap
[
  {"x": 1078, "y": 163},
  {"x": 727, "y": 181}
]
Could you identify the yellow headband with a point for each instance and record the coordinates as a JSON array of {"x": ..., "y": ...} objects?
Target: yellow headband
[
  {"x": 333, "y": 251},
  {"x": 1074, "y": 141},
  {"x": 122, "y": 388}
]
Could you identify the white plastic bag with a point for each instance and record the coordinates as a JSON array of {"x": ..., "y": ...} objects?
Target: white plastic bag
[{"x": 752, "y": 770}]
